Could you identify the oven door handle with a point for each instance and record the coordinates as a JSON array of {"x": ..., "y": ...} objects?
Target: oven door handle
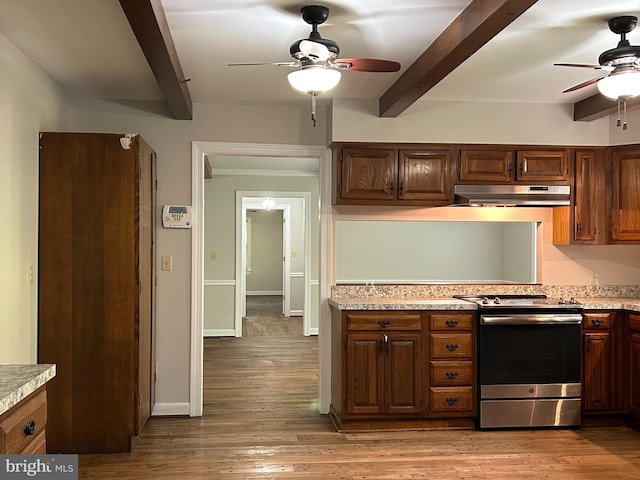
[{"x": 531, "y": 319}]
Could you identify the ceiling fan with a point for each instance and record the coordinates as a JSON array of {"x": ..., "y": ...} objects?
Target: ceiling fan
[
  {"x": 621, "y": 64},
  {"x": 316, "y": 59}
]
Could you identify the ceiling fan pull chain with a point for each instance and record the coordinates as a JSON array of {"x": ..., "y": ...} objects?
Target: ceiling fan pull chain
[
  {"x": 618, "y": 123},
  {"x": 624, "y": 121},
  {"x": 313, "y": 108}
]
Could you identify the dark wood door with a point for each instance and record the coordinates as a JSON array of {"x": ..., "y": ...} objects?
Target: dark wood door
[
  {"x": 364, "y": 378},
  {"x": 588, "y": 221},
  {"x": 625, "y": 209},
  {"x": 596, "y": 377},
  {"x": 486, "y": 165},
  {"x": 368, "y": 174},
  {"x": 542, "y": 166},
  {"x": 424, "y": 175},
  {"x": 403, "y": 384}
]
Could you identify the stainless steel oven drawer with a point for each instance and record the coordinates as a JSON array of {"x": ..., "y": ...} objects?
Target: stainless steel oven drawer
[{"x": 529, "y": 413}]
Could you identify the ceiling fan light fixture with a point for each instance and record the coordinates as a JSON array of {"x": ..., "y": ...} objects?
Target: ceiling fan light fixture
[
  {"x": 314, "y": 79},
  {"x": 622, "y": 83}
]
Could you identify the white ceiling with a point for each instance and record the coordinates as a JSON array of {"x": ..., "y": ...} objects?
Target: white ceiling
[{"x": 88, "y": 48}]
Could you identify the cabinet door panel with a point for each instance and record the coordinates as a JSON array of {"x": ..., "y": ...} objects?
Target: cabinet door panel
[
  {"x": 364, "y": 373},
  {"x": 596, "y": 391},
  {"x": 486, "y": 165},
  {"x": 625, "y": 211},
  {"x": 424, "y": 175},
  {"x": 368, "y": 174},
  {"x": 589, "y": 192},
  {"x": 402, "y": 374},
  {"x": 543, "y": 165},
  {"x": 634, "y": 405}
]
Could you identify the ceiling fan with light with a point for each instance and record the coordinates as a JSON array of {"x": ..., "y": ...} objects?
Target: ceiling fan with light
[
  {"x": 622, "y": 64},
  {"x": 316, "y": 59}
]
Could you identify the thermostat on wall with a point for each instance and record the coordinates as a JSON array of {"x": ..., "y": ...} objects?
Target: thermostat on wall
[{"x": 176, "y": 216}]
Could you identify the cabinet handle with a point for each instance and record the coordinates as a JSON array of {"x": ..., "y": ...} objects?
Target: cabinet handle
[
  {"x": 589, "y": 346},
  {"x": 30, "y": 428},
  {"x": 452, "y": 346},
  {"x": 452, "y": 374},
  {"x": 391, "y": 186},
  {"x": 400, "y": 188},
  {"x": 451, "y": 400},
  {"x": 451, "y": 323},
  {"x": 597, "y": 322},
  {"x": 509, "y": 171},
  {"x": 384, "y": 323},
  {"x": 386, "y": 343},
  {"x": 520, "y": 168}
]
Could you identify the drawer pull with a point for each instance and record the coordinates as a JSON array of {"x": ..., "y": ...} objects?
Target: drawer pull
[
  {"x": 597, "y": 322},
  {"x": 451, "y": 400},
  {"x": 384, "y": 323},
  {"x": 452, "y": 374},
  {"x": 452, "y": 346},
  {"x": 29, "y": 428},
  {"x": 451, "y": 323}
]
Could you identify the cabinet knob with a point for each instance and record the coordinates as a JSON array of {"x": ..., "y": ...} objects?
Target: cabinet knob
[
  {"x": 29, "y": 428},
  {"x": 452, "y": 346},
  {"x": 451, "y": 400},
  {"x": 384, "y": 323},
  {"x": 451, "y": 323},
  {"x": 452, "y": 374},
  {"x": 597, "y": 322}
]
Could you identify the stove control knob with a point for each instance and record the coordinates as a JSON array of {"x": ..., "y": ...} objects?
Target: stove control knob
[
  {"x": 561, "y": 301},
  {"x": 496, "y": 301},
  {"x": 485, "y": 300},
  {"x": 573, "y": 301}
]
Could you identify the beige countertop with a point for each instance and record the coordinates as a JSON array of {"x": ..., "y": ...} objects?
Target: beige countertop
[
  {"x": 19, "y": 381},
  {"x": 373, "y": 303}
]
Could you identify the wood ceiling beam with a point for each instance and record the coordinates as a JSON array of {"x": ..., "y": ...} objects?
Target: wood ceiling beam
[
  {"x": 149, "y": 24},
  {"x": 475, "y": 26},
  {"x": 598, "y": 106}
]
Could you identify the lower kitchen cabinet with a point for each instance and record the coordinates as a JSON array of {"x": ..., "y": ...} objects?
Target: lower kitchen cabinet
[
  {"x": 601, "y": 364},
  {"x": 634, "y": 380},
  {"x": 22, "y": 428},
  {"x": 451, "y": 361},
  {"x": 402, "y": 369}
]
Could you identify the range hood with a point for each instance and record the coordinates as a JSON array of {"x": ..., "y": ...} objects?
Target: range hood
[{"x": 512, "y": 195}]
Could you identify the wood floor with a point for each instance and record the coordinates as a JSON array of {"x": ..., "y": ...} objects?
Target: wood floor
[{"x": 260, "y": 422}]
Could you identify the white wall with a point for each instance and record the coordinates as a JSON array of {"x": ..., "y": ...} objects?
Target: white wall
[
  {"x": 265, "y": 242},
  {"x": 29, "y": 103}
]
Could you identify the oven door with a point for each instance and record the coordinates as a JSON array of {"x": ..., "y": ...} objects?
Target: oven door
[{"x": 529, "y": 370}]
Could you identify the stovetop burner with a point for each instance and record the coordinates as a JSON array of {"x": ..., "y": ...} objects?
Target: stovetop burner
[{"x": 519, "y": 301}]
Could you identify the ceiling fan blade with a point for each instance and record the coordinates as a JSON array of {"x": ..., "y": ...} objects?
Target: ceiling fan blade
[
  {"x": 367, "y": 65},
  {"x": 314, "y": 50},
  {"x": 580, "y": 65},
  {"x": 277, "y": 64},
  {"x": 583, "y": 84}
]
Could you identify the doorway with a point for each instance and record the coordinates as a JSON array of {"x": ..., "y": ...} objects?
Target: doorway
[{"x": 319, "y": 210}]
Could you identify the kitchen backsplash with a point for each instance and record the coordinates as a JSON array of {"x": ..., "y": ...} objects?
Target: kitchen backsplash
[{"x": 449, "y": 290}]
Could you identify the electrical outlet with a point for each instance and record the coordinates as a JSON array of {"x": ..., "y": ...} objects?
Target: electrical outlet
[
  {"x": 294, "y": 253},
  {"x": 214, "y": 256},
  {"x": 167, "y": 263},
  {"x": 30, "y": 275}
]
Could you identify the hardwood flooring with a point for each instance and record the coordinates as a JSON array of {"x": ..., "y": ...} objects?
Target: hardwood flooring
[{"x": 260, "y": 422}]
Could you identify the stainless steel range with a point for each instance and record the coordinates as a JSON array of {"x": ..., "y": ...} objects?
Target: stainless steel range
[{"x": 528, "y": 361}]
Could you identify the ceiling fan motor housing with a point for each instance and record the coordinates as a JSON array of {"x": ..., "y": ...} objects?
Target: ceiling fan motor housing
[{"x": 624, "y": 53}]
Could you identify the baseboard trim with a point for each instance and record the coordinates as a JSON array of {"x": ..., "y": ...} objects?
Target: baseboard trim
[
  {"x": 169, "y": 408},
  {"x": 219, "y": 332}
]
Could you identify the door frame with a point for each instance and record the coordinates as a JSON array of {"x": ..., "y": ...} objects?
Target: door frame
[
  {"x": 199, "y": 149},
  {"x": 251, "y": 201}
]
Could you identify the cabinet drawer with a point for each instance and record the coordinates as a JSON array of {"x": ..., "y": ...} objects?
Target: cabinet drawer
[
  {"x": 380, "y": 322},
  {"x": 451, "y": 373},
  {"x": 454, "y": 399},
  {"x": 37, "y": 446},
  {"x": 450, "y": 345},
  {"x": 634, "y": 322},
  {"x": 13, "y": 438},
  {"x": 597, "y": 321},
  {"x": 449, "y": 321}
]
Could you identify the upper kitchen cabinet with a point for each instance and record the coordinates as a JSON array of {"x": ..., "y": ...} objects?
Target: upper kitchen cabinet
[
  {"x": 510, "y": 165},
  {"x": 624, "y": 174},
  {"x": 371, "y": 174},
  {"x": 96, "y": 288},
  {"x": 584, "y": 223}
]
